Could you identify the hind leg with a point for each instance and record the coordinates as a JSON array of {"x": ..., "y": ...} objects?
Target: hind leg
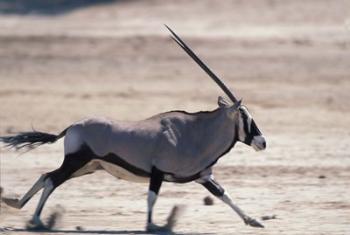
[
  {"x": 51, "y": 182},
  {"x": 71, "y": 164},
  {"x": 49, "y": 187},
  {"x": 45, "y": 182},
  {"x": 15, "y": 203}
]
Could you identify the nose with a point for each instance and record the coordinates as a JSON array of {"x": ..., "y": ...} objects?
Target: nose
[{"x": 264, "y": 144}]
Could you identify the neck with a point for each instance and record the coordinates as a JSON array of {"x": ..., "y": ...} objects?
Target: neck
[{"x": 219, "y": 133}]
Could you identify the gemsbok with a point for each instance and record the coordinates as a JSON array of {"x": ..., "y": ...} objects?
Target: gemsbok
[{"x": 174, "y": 146}]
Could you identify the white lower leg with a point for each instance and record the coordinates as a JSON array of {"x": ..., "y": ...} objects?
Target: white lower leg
[
  {"x": 247, "y": 220},
  {"x": 13, "y": 202},
  {"x": 228, "y": 200},
  {"x": 151, "y": 200},
  {"x": 36, "y": 187},
  {"x": 48, "y": 189}
]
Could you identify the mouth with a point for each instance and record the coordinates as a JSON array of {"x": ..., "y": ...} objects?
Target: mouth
[{"x": 258, "y": 147}]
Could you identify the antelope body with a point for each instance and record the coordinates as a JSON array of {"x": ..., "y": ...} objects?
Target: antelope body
[
  {"x": 175, "y": 146},
  {"x": 177, "y": 143}
]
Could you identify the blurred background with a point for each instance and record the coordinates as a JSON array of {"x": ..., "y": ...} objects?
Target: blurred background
[{"x": 64, "y": 60}]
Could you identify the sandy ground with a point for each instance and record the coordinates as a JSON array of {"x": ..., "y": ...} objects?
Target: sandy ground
[{"x": 289, "y": 60}]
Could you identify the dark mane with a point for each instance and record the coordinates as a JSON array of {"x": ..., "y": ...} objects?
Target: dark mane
[{"x": 191, "y": 113}]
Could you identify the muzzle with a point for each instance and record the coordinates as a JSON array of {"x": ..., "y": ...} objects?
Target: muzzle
[{"x": 258, "y": 143}]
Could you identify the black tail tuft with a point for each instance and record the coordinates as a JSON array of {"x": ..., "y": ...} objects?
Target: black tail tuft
[{"x": 29, "y": 139}]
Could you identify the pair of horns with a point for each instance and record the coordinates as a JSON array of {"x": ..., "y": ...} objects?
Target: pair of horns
[{"x": 183, "y": 45}]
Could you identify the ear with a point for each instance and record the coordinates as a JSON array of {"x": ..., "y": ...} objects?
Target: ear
[
  {"x": 223, "y": 103},
  {"x": 234, "y": 108}
]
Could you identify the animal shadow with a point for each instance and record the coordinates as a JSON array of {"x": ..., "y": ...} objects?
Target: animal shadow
[
  {"x": 102, "y": 232},
  {"x": 47, "y": 7}
]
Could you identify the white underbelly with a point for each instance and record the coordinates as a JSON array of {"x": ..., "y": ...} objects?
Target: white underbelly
[
  {"x": 122, "y": 173},
  {"x": 88, "y": 168},
  {"x": 112, "y": 169}
]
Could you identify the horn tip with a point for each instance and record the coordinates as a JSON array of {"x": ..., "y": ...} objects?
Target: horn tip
[{"x": 167, "y": 27}]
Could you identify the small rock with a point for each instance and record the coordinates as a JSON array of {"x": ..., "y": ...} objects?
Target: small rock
[
  {"x": 79, "y": 228},
  {"x": 208, "y": 201},
  {"x": 268, "y": 217},
  {"x": 321, "y": 176}
]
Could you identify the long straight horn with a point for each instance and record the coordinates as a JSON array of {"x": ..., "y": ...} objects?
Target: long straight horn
[{"x": 183, "y": 45}]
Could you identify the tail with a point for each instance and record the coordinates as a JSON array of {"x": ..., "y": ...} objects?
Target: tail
[{"x": 30, "y": 140}]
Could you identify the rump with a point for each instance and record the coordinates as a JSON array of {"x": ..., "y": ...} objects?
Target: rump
[{"x": 94, "y": 132}]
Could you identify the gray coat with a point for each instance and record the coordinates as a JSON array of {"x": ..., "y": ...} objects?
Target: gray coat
[{"x": 177, "y": 142}]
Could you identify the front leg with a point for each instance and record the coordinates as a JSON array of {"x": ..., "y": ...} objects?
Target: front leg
[
  {"x": 156, "y": 180},
  {"x": 209, "y": 183}
]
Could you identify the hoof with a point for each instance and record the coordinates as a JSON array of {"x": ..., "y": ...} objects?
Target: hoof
[
  {"x": 153, "y": 228},
  {"x": 12, "y": 202},
  {"x": 252, "y": 222},
  {"x": 36, "y": 225}
]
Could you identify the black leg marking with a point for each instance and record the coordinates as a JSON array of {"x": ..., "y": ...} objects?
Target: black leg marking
[
  {"x": 214, "y": 187},
  {"x": 72, "y": 163},
  {"x": 156, "y": 180}
]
